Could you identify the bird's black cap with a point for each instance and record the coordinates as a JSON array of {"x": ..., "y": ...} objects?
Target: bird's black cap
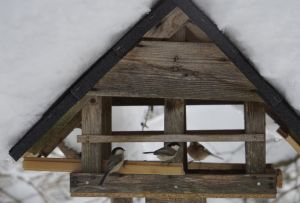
[{"x": 116, "y": 149}]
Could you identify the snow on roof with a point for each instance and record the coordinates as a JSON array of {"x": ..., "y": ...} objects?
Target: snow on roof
[{"x": 46, "y": 45}]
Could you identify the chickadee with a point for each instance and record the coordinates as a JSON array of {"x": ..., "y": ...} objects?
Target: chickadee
[
  {"x": 114, "y": 163},
  {"x": 198, "y": 152},
  {"x": 166, "y": 153}
]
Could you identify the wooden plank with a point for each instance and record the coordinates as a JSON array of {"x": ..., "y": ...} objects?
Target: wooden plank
[
  {"x": 176, "y": 70},
  {"x": 91, "y": 155},
  {"x": 190, "y": 186},
  {"x": 195, "y": 34},
  {"x": 122, "y": 200},
  {"x": 60, "y": 130},
  {"x": 106, "y": 125},
  {"x": 289, "y": 139},
  {"x": 51, "y": 164},
  {"x": 199, "y": 200},
  {"x": 175, "y": 118},
  {"x": 171, "y": 24},
  {"x": 173, "y": 137},
  {"x": 143, "y": 167},
  {"x": 255, "y": 151},
  {"x": 130, "y": 167},
  {"x": 133, "y": 101},
  {"x": 68, "y": 152}
]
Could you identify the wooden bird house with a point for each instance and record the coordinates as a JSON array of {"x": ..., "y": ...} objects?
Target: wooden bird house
[{"x": 174, "y": 56}]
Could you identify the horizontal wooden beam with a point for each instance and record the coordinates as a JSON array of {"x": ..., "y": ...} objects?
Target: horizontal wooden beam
[
  {"x": 190, "y": 186},
  {"x": 160, "y": 69},
  {"x": 173, "y": 137},
  {"x": 51, "y": 164},
  {"x": 136, "y": 101},
  {"x": 142, "y": 167},
  {"x": 130, "y": 167}
]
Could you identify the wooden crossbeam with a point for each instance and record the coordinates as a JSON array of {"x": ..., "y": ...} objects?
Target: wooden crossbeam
[
  {"x": 142, "y": 167},
  {"x": 51, "y": 164},
  {"x": 138, "y": 101},
  {"x": 161, "y": 69},
  {"x": 60, "y": 130},
  {"x": 190, "y": 186},
  {"x": 173, "y": 137},
  {"x": 171, "y": 24},
  {"x": 130, "y": 167},
  {"x": 284, "y": 133},
  {"x": 197, "y": 33}
]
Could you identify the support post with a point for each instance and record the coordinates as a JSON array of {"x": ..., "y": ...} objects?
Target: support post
[
  {"x": 255, "y": 151},
  {"x": 91, "y": 156}
]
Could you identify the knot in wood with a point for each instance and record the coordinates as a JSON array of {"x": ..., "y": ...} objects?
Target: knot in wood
[
  {"x": 93, "y": 101},
  {"x": 176, "y": 58}
]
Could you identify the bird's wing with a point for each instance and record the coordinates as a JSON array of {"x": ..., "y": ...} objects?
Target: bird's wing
[
  {"x": 165, "y": 151},
  {"x": 113, "y": 161},
  {"x": 212, "y": 154}
]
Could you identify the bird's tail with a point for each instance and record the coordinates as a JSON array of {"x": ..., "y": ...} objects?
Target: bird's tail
[
  {"x": 218, "y": 157},
  {"x": 148, "y": 152},
  {"x": 103, "y": 178}
]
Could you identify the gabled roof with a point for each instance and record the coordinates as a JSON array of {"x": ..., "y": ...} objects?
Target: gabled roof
[{"x": 276, "y": 102}]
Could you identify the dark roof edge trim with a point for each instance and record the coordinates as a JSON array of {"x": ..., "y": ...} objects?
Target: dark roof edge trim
[
  {"x": 81, "y": 86},
  {"x": 270, "y": 95}
]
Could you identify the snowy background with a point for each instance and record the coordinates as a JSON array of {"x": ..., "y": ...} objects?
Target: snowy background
[{"x": 46, "y": 44}]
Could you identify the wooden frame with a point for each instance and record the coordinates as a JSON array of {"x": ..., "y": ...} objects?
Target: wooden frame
[
  {"x": 174, "y": 137},
  {"x": 190, "y": 186}
]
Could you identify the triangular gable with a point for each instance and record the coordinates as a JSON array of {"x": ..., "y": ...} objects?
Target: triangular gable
[{"x": 87, "y": 81}]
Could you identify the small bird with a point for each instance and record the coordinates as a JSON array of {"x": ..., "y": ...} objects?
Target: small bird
[
  {"x": 198, "y": 152},
  {"x": 114, "y": 163},
  {"x": 166, "y": 153}
]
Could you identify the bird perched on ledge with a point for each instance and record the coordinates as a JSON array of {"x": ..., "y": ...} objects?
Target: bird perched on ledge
[
  {"x": 198, "y": 152},
  {"x": 166, "y": 153},
  {"x": 114, "y": 163}
]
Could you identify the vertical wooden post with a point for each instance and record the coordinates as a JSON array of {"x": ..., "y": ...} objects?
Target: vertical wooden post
[
  {"x": 106, "y": 125},
  {"x": 121, "y": 200},
  {"x": 255, "y": 151},
  {"x": 96, "y": 119},
  {"x": 91, "y": 155},
  {"x": 175, "y": 123}
]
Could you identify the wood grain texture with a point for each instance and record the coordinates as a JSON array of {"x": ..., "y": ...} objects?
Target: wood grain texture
[
  {"x": 91, "y": 154},
  {"x": 174, "y": 123},
  {"x": 171, "y": 24},
  {"x": 195, "y": 34},
  {"x": 51, "y": 164},
  {"x": 130, "y": 167},
  {"x": 176, "y": 70},
  {"x": 255, "y": 151},
  {"x": 171, "y": 137},
  {"x": 122, "y": 200},
  {"x": 139, "y": 101},
  {"x": 144, "y": 168},
  {"x": 168, "y": 187},
  {"x": 60, "y": 130}
]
